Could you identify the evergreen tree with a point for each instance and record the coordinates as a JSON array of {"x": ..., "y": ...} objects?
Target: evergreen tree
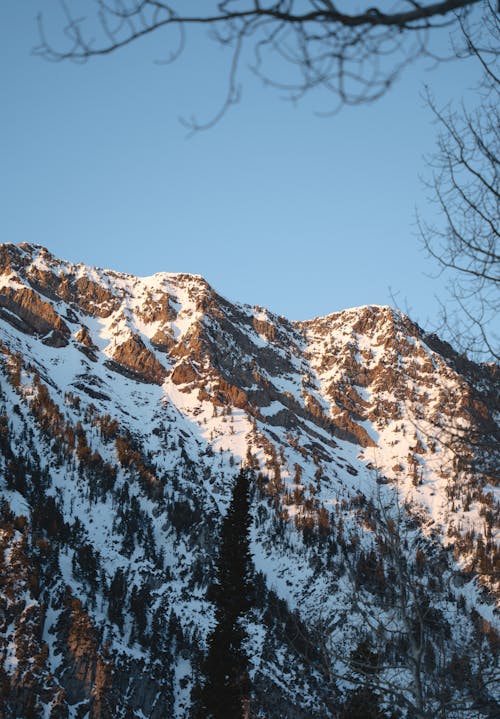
[
  {"x": 116, "y": 595},
  {"x": 225, "y": 694},
  {"x": 363, "y": 703}
]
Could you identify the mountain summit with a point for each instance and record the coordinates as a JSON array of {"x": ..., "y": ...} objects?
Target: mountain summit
[{"x": 128, "y": 406}]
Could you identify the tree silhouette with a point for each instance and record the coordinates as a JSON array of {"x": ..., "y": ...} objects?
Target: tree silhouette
[
  {"x": 225, "y": 693},
  {"x": 465, "y": 187},
  {"x": 354, "y": 52},
  {"x": 406, "y": 654}
]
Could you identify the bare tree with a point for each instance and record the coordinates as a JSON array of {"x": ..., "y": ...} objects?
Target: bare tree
[
  {"x": 465, "y": 186},
  {"x": 414, "y": 651},
  {"x": 353, "y": 50}
]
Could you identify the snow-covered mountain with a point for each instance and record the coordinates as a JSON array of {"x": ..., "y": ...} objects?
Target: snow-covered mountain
[{"x": 127, "y": 407}]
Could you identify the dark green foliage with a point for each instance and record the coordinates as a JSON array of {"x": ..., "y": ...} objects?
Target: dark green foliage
[
  {"x": 47, "y": 516},
  {"x": 363, "y": 659},
  {"x": 182, "y": 516},
  {"x": 140, "y": 599},
  {"x": 86, "y": 564},
  {"x": 362, "y": 703},
  {"x": 16, "y": 477},
  {"x": 370, "y": 572},
  {"x": 235, "y": 568},
  {"x": 116, "y": 596},
  {"x": 227, "y": 686},
  {"x": 137, "y": 462}
]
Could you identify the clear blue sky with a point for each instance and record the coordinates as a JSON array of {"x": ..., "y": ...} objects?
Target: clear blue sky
[{"x": 274, "y": 206}]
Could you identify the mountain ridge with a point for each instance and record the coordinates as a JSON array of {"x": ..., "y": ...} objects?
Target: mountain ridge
[{"x": 128, "y": 406}]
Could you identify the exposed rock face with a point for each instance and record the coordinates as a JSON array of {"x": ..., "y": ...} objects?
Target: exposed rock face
[
  {"x": 264, "y": 328},
  {"x": 34, "y": 316},
  {"x": 162, "y": 340},
  {"x": 79, "y": 641},
  {"x": 227, "y": 394},
  {"x": 139, "y": 361},
  {"x": 90, "y": 296},
  {"x": 184, "y": 373},
  {"x": 158, "y": 308},
  {"x": 87, "y": 345}
]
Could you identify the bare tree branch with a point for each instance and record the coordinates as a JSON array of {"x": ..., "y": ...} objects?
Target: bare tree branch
[
  {"x": 405, "y": 648},
  {"x": 356, "y": 54},
  {"x": 465, "y": 187}
]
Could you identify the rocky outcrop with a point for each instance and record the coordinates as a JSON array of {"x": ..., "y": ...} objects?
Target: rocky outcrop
[
  {"x": 45, "y": 282},
  {"x": 87, "y": 346},
  {"x": 228, "y": 394},
  {"x": 184, "y": 373},
  {"x": 163, "y": 340},
  {"x": 193, "y": 343},
  {"x": 82, "y": 291},
  {"x": 340, "y": 423},
  {"x": 264, "y": 328},
  {"x": 157, "y": 309},
  {"x": 78, "y": 641},
  {"x": 135, "y": 360},
  {"x": 33, "y": 315},
  {"x": 90, "y": 296}
]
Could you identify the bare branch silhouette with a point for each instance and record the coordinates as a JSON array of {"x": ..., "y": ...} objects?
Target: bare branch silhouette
[
  {"x": 354, "y": 53},
  {"x": 465, "y": 187}
]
